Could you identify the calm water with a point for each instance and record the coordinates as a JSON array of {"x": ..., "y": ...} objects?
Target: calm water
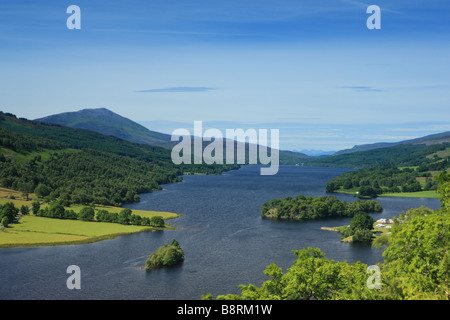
[{"x": 226, "y": 243}]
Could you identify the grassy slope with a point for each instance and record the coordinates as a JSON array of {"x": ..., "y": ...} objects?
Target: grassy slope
[{"x": 419, "y": 194}]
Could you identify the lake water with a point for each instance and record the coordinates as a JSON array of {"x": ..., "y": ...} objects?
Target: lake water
[{"x": 225, "y": 240}]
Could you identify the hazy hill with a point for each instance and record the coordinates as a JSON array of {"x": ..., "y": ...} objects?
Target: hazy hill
[
  {"x": 428, "y": 140},
  {"x": 412, "y": 154},
  {"x": 106, "y": 122}
]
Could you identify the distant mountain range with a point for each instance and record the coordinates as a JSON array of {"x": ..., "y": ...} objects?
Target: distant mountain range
[
  {"x": 427, "y": 140},
  {"x": 106, "y": 122},
  {"x": 315, "y": 153}
]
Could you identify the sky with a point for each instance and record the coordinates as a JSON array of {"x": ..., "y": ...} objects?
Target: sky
[{"x": 310, "y": 68}]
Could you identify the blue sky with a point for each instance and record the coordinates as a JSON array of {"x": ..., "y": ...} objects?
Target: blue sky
[{"x": 307, "y": 67}]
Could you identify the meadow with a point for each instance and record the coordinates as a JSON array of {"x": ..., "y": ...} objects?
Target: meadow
[{"x": 40, "y": 231}]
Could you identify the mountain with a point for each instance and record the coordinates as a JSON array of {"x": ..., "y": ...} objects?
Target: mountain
[
  {"x": 427, "y": 140},
  {"x": 401, "y": 155},
  {"x": 106, "y": 122},
  {"x": 315, "y": 153}
]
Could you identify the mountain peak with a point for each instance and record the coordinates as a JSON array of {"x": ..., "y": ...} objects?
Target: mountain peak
[{"x": 107, "y": 122}]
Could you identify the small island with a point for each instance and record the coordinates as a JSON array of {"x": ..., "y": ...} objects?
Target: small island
[
  {"x": 363, "y": 229},
  {"x": 309, "y": 208},
  {"x": 165, "y": 256}
]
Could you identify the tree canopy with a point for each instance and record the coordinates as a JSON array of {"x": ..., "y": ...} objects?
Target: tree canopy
[
  {"x": 165, "y": 256},
  {"x": 308, "y": 208}
]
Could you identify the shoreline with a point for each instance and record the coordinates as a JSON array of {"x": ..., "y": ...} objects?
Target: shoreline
[
  {"x": 34, "y": 236},
  {"x": 35, "y": 231}
]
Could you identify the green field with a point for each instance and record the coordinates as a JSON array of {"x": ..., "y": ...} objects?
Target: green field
[
  {"x": 39, "y": 231},
  {"x": 33, "y": 231},
  {"x": 418, "y": 194}
]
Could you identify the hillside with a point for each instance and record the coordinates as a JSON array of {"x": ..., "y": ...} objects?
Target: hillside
[
  {"x": 427, "y": 140},
  {"x": 106, "y": 122},
  {"x": 403, "y": 170},
  {"x": 82, "y": 166},
  {"x": 400, "y": 155}
]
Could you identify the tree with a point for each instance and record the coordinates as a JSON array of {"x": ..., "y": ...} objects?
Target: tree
[
  {"x": 444, "y": 190},
  {"x": 10, "y": 211},
  {"x": 86, "y": 214},
  {"x": 417, "y": 257},
  {"x": 157, "y": 221},
  {"x": 165, "y": 256},
  {"x": 24, "y": 209},
  {"x": 102, "y": 215},
  {"x": 70, "y": 214},
  {"x": 5, "y": 221},
  {"x": 331, "y": 186},
  {"x": 125, "y": 216},
  {"x": 367, "y": 191},
  {"x": 135, "y": 219},
  {"x": 35, "y": 206},
  {"x": 362, "y": 236},
  {"x": 360, "y": 221},
  {"x": 42, "y": 190},
  {"x": 312, "y": 276},
  {"x": 26, "y": 188},
  {"x": 56, "y": 210}
]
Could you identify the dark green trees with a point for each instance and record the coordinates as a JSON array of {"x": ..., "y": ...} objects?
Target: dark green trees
[
  {"x": 8, "y": 213},
  {"x": 86, "y": 214},
  {"x": 165, "y": 256},
  {"x": 309, "y": 208},
  {"x": 81, "y": 166},
  {"x": 125, "y": 216},
  {"x": 368, "y": 191},
  {"x": 361, "y": 226}
]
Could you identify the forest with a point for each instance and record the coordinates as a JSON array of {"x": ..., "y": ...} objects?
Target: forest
[
  {"x": 400, "y": 156},
  {"x": 83, "y": 167},
  {"x": 309, "y": 208},
  {"x": 374, "y": 181}
]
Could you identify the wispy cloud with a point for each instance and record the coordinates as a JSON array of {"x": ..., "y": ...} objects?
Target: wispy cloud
[
  {"x": 179, "y": 89},
  {"x": 361, "y": 88}
]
